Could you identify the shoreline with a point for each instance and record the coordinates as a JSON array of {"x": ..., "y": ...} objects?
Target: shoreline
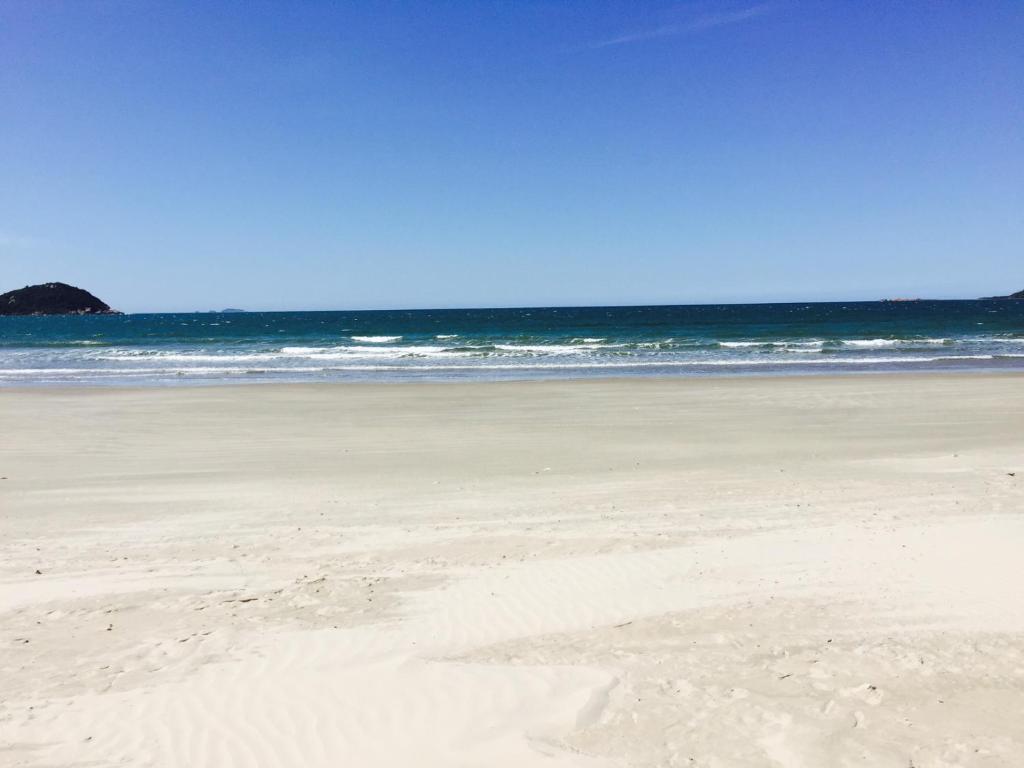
[{"x": 979, "y": 374}]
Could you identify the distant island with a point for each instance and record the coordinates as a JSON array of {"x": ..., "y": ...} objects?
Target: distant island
[
  {"x": 231, "y": 310},
  {"x": 1017, "y": 295},
  {"x": 52, "y": 299}
]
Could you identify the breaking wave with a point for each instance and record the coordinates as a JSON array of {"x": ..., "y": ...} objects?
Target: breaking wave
[{"x": 504, "y": 344}]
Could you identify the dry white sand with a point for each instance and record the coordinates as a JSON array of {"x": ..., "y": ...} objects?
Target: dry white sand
[{"x": 732, "y": 572}]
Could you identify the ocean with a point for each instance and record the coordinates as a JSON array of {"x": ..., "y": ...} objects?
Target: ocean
[{"x": 482, "y": 344}]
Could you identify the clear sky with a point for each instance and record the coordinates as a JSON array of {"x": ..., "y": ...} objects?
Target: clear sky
[{"x": 292, "y": 155}]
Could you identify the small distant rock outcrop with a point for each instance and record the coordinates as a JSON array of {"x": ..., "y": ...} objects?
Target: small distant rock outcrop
[
  {"x": 1017, "y": 295},
  {"x": 52, "y": 299}
]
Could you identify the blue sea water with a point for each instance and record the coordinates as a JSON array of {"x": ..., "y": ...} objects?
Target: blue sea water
[{"x": 513, "y": 343}]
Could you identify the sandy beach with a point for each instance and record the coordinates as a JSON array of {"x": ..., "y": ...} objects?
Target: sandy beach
[{"x": 798, "y": 572}]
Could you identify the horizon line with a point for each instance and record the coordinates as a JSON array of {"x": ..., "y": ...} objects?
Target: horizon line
[{"x": 893, "y": 300}]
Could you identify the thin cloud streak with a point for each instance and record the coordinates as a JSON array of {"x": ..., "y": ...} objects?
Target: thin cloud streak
[{"x": 701, "y": 24}]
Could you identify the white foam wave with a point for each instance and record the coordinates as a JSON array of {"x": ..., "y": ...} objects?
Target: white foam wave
[
  {"x": 285, "y": 353},
  {"x": 548, "y": 349},
  {"x": 795, "y": 345},
  {"x": 187, "y": 357},
  {"x": 493, "y": 365},
  {"x": 885, "y": 343},
  {"x": 376, "y": 339},
  {"x": 341, "y": 353},
  {"x": 116, "y": 353},
  {"x": 114, "y": 372},
  {"x": 869, "y": 343},
  {"x": 775, "y": 362},
  {"x": 595, "y": 364}
]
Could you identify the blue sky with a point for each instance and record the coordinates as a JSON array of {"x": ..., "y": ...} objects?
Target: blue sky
[{"x": 182, "y": 156}]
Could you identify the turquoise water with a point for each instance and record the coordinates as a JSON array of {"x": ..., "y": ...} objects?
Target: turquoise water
[{"x": 513, "y": 343}]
